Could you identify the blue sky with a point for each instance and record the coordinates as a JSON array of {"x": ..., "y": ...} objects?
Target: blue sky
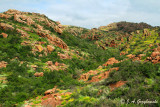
[{"x": 90, "y": 13}]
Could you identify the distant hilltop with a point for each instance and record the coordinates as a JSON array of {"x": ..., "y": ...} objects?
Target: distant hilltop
[{"x": 125, "y": 26}]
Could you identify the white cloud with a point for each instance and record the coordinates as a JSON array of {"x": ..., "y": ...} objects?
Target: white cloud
[{"x": 91, "y": 13}]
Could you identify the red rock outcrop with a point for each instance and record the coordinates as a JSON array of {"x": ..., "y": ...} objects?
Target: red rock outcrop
[
  {"x": 103, "y": 75},
  {"x": 123, "y": 53},
  {"x": 150, "y": 45},
  {"x": 53, "y": 40},
  {"x": 50, "y": 91},
  {"x": 13, "y": 11},
  {"x": 30, "y": 21},
  {"x": 58, "y": 29},
  {"x": 53, "y": 99},
  {"x": 39, "y": 47},
  {"x": 18, "y": 19},
  {"x": 56, "y": 63},
  {"x": 130, "y": 56},
  {"x": 50, "y": 48},
  {"x": 3, "y": 64},
  {"x": 57, "y": 66},
  {"x": 23, "y": 33},
  {"x": 27, "y": 29},
  {"x": 117, "y": 84},
  {"x": 85, "y": 76},
  {"x": 38, "y": 74},
  {"x": 5, "y": 16},
  {"x": 155, "y": 56},
  {"x": 64, "y": 56},
  {"x": 5, "y": 26},
  {"x": 58, "y": 42},
  {"x": 111, "y": 61},
  {"x": 4, "y": 35},
  {"x": 39, "y": 27},
  {"x": 23, "y": 19},
  {"x": 158, "y": 48}
]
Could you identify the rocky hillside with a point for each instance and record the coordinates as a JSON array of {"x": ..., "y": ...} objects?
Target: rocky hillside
[{"x": 46, "y": 64}]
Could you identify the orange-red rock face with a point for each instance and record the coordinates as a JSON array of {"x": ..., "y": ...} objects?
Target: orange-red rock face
[
  {"x": 50, "y": 48},
  {"x": 111, "y": 61},
  {"x": 117, "y": 84},
  {"x": 39, "y": 47},
  {"x": 4, "y": 35},
  {"x": 5, "y": 26},
  {"x": 37, "y": 74}
]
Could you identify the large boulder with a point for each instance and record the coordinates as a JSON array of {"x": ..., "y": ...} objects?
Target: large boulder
[
  {"x": 38, "y": 74},
  {"x": 29, "y": 21},
  {"x": 58, "y": 29},
  {"x": 4, "y": 35},
  {"x": 154, "y": 54},
  {"x": 60, "y": 26},
  {"x": 18, "y": 18},
  {"x": 85, "y": 76},
  {"x": 64, "y": 56},
  {"x": 150, "y": 45},
  {"x": 56, "y": 63},
  {"x": 111, "y": 61},
  {"x": 39, "y": 27},
  {"x": 130, "y": 56},
  {"x": 57, "y": 66},
  {"x": 39, "y": 47},
  {"x": 23, "y": 33},
  {"x": 50, "y": 91},
  {"x": 5, "y": 26},
  {"x": 50, "y": 48},
  {"x": 58, "y": 42}
]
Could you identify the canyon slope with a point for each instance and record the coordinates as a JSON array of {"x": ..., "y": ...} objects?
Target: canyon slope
[{"x": 46, "y": 64}]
